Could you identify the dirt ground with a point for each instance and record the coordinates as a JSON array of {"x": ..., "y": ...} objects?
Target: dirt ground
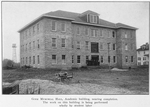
[{"x": 84, "y": 82}]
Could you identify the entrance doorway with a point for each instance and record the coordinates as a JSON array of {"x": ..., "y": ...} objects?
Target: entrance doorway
[{"x": 94, "y": 60}]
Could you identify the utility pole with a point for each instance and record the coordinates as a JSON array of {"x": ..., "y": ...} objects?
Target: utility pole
[{"x": 108, "y": 55}]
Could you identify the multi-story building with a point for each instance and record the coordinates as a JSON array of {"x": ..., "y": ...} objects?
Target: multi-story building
[
  {"x": 63, "y": 39},
  {"x": 143, "y": 55}
]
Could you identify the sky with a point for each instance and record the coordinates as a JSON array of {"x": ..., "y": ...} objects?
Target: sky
[{"x": 16, "y": 15}]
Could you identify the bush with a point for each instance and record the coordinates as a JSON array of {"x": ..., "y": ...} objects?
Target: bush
[{"x": 9, "y": 64}]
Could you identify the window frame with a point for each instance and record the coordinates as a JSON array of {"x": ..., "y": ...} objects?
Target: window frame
[
  {"x": 114, "y": 59},
  {"x": 54, "y": 45},
  {"x": 126, "y": 46},
  {"x": 126, "y": 59},
  {"x": 38, "y": 44},
  {"x": 63, "y": 45},
  {"x": 132, "y": 58},
  {"x": 86, "y": 45},
  {"x": 78, "y": 30},
  {"x": 38, "y": 59},
  {"x": 55, "y": 25},
  {"x": 78, "y": 45},
  {"x": 78, "y": 59},
  {"x": 114, "y": 46},
  {"x": 63, "y": 58},
  {"x": 102, "y": 59},
  {"x": 33, "y": 59},
  {"x": 55, "y": 62},
  {"x": 63, "y": 26},
  {"x": 125, "y": 35}
]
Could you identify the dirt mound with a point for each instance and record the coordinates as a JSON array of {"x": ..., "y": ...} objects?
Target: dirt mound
[{"x": 59, "y": 88}]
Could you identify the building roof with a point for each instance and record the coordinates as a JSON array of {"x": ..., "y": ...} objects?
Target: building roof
[
  {"x": 120, "y": 25},
  {"x": 144, "y": 47},
  {"x": 76, "y": 18}
]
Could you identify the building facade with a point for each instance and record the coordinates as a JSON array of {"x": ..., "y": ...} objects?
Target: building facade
[
  {"x": 63, "y": 39},
  {"x": 143, "y": 55}
]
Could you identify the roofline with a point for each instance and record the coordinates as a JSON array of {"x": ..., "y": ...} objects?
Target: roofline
[
  {"x": 58, "y": 17},
  {"x": 72, "y": 22},
  {"x": 42, "y": 17},
  {"x": 126, "y": 27},
  {"x": 92, "y": 24},
  {"x": 30, "y": 23}
]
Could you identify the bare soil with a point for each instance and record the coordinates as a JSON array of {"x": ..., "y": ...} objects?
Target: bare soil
[{"x": 84, "y": 82}]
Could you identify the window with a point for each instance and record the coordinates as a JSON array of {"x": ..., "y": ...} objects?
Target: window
[
  {"x": 144, "y": 58},
  {"x": 63, "y": 59},
  {"x": 102, "y": 60},
  {"x": 30, "y": 60},
  {"x": 54, "y": 25},
  {"x": 100, "y": 32},
  {"x": 108, "y": 46},
  {"x": 86, "y": 31},
  {"x": 93, "y": 19},
  {"x": 38, "y": 59},
  {"x": 26, "y": 60},
  {"x": 131, "y": 46},
  {"x": 114, "y": 59},
  {"x": 144, "y": 52},
  {"x": 22, "y": 48},
  {"x": 33, "y": 59},
  {"x": 30, "y": 46},
  {"x": 38, "y": 44},
  {"x": 101, "y": 45},
  {"x": 87, "y": 58},
  {"x": 93, "y": 32},
  {"x": 54, "y": 42},
  {"x": 139, "y": 58},
  {"x": 63, "y": 41},
  {"x": 78, "y": 59},
  {"x": 109, "y": 59},
  {"x": 33, "y": 29},
  {"x": 126, "y": 46},
  {"x": 125, "y": 35},
  {"x": 29, "y": 32},
  {"x": 78, "y": 30},
  {"x": 94, "y": 47},
  {"x": 86, "y": 45},
  {"x": 23, "y": 61},
  {"x": 33, "y": 44},
  {"x": 26, "y": 34},
  {"x": 131, "y": 34},
  {"x": 126, "y": 58},
  {"x": 26, "y": 46},
  {"x": 131, "y": 58},
  {"x": 72, "y": 58},
  {"x": 114, "y": 46},
  {"x": 54, "y": 61},
  {"x": 63, "y": 27},
  {"x": 38, "y": 27},
  {"x": 113, "y": 34},
  {"x": 78, "y": 45}
]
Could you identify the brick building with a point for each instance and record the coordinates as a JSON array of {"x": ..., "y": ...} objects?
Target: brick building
[{"x": 63, "y": 39}]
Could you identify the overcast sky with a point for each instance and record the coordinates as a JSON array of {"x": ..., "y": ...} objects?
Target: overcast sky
[{"x": 15, "y": 15}]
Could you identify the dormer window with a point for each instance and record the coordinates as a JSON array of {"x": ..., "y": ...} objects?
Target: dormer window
[{"x": 93, "y": 18}]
